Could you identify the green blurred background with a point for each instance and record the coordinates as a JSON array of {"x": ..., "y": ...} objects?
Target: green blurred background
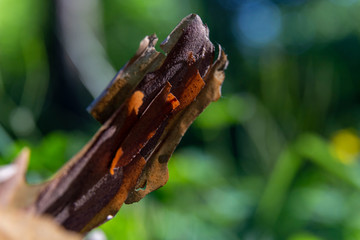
[{"x": 275, "y": 158}]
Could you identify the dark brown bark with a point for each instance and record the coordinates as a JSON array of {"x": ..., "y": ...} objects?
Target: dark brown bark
[{"x": 145, "y": 111}]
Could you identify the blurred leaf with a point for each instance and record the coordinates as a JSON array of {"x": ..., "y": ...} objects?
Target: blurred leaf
[
  {"x": 5, "y": 140},
  {"x": 18, "y": 23},
  {"x": 317, "y": 150},
  {"x": 227, "y": 111},
  {"x": 304, "y": 236},
  {"x": 130, "y": 223},
  {"x": 320, "y": 204},
  {"x": 192, "y": 167},
  {"x": 47, "y": 157},
  {"x": 278, "y": 185}
]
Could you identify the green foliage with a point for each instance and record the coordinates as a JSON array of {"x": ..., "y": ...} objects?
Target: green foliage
[{"x": 47, "y": 156}]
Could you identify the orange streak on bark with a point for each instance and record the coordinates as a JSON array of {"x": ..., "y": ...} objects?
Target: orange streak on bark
[
  {"x": 145, "y": 128},
  {"x": 135, "y": 102},
  {"x": 173, "y": 100},
  {"x": 192, "y": 88},
  {"x": 116, "y": 159}
]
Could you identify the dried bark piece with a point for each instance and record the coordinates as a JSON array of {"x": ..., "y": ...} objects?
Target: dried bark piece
[
  {"x": 151, "y": 69},
  {"x": 187, "y": 92},
  {"x": 155, "y": 173},
  {"x": 160, "y": 97},
  {"x": 189, "y": 50},
  {"x": 146, "y": 59}
]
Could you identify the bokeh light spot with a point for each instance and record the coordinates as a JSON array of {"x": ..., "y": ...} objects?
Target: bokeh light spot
[
  {"x": 259, "y": 22},
  {"x": 22, "y": 121},
  {"x": 345, "y": 146}
]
